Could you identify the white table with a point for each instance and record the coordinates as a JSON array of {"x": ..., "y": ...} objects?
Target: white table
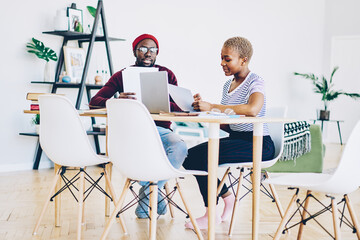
[{"x": 213, "y": 159}]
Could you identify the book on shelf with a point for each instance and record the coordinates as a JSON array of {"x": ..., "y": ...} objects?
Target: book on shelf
[
  {"x": 34, "y": 106},
  {"x": 35, "y": 96}
]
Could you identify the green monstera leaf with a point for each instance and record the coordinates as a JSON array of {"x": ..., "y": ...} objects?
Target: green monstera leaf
[{"x": 38, "y": 48}]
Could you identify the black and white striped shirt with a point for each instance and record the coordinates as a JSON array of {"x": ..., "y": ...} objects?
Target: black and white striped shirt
[{"x": 240, "y": 95}]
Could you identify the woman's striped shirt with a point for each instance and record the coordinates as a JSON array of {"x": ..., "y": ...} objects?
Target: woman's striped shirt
[{"x": 240, "y": 95}]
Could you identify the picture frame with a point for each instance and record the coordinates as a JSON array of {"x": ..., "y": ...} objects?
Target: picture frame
[
  {"x": 74, "y": 63},
  {"x": 75, "y": 17}
]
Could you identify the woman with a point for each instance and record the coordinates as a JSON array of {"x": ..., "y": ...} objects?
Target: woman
[{"x": 243, "y": 94}]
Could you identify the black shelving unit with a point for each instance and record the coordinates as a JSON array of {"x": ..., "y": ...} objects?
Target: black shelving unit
[{"x": 82, "y": 86}]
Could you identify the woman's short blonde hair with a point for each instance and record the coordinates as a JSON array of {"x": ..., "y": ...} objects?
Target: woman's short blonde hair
[{"x": 241, "y": 45}]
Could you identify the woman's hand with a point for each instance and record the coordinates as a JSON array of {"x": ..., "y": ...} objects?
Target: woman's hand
[
  {"x": 197, "y": 97},
  {"x": 127, "y": 95},
  {"x": 202, "y": 106}
]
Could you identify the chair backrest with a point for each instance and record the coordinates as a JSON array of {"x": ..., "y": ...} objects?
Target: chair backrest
[
  {"x": 346, "y": 176},
  {"x": 62, "y": 134},
  {"x": 134, "y": 144},
  {"x": 276, "y": 130}
]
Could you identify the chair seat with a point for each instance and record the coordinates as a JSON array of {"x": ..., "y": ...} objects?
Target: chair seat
[
  {"x": 264, "y": 164},
  {"x": 299, "y": 179}
]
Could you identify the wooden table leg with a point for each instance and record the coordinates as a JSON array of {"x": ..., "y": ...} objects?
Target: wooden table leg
[
  {"x": 57, "y": 198},
  {"x": 108, "y": 168},
  {"x": 213, "y": 162},
  {"x": 257, "y": 157}
]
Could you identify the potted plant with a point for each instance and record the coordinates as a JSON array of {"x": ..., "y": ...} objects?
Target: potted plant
[
  {"x": 38, "y": 48},
  {"x": 324, "y": 87},
  {"x": 36, "y": 121}
]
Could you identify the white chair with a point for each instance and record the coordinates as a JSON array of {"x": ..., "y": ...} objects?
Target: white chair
[
  {"x": 136, "y": 150},
  {"x": 64, "y": 140},
  {"x": 345, "y": 180},
  {"x": 276, "y": 131}
]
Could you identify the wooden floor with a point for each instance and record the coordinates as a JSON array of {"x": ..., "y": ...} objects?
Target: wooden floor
[{"x": 22, "y": 196}]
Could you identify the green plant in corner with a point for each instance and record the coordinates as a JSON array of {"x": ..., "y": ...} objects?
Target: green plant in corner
[
  {"x": 38, "y": 48},
  {"x": 324, "y": 87}
]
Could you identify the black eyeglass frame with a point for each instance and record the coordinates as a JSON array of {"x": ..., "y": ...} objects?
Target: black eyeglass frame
[{"x": 152, "y": 50}]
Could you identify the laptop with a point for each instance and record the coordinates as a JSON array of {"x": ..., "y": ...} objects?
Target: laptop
[{"x": 155, "y": 91}]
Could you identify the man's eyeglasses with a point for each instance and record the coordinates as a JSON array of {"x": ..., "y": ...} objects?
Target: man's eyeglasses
[{"x": 144, "y": 50}]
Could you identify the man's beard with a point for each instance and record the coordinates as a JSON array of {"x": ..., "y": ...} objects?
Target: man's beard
[{"x": 142, "y": 64}]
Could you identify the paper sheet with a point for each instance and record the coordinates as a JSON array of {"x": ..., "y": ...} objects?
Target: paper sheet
[{"x": 131, "y": 79}]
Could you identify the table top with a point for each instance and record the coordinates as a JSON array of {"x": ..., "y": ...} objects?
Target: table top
[{"x": 232, "y": 119}]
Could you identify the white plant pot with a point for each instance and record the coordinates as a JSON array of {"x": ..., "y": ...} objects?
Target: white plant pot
[{"x": 49, "y": 74}]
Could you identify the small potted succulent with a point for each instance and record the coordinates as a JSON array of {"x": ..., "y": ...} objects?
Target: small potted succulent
[
  {"x": 324, "y": 87},
  {"x": 36, "y": 121}
]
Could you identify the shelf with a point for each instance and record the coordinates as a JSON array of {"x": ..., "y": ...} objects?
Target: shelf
[
  {"x": 33, "y": 134},
  {"x": 69, "y": 85},
  {"x": 70, "y": 35}
]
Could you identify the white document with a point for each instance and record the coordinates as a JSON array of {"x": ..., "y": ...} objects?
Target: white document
[
  {"x": 182, "y": 97},
  {"x": 131, "y": 79}
]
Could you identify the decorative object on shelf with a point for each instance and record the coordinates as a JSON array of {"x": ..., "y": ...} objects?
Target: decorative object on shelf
[
  {"x": 38, "y": 48},
  {"x": 61, "y": 21},
  {"x": 99, "y": 127},
  {"x": 75, "y": 19},
  {"x": 325, "y": 88},
  {"x": 98, "y": 78},
  {"x": 74, "y": 63},
  {"x": 36, "y": 121},
  {"x": 91, "y": 10}
]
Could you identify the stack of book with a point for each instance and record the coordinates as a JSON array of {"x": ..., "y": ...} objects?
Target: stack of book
[{"x": 33, "y": 97}]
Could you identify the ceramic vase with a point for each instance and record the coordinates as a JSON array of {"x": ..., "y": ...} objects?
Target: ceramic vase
[{"x": 49, "y": 74}]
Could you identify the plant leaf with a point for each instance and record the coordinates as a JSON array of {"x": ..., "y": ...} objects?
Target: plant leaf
[
  {"x": 333, "y": 72},
  {"x": 91, "y": 10}
]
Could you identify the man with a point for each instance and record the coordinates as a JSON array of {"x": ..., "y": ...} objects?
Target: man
[{"x": 146, "y": 48}]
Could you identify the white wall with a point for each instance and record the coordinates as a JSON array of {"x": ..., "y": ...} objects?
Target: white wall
[
  {"x": 287, "y": 36},
  {"x": 342, "y": 48}
]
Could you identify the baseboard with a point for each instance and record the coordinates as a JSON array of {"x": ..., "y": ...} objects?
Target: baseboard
[{"x": 24, "y": 166}]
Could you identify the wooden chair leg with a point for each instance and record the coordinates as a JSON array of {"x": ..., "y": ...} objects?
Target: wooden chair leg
[
  {"x": 304, "y": 213},
  {"x": 276, "y": 198},
  {"x": 222, "y": 181},
  {"x": 116, "y": 210},
  {"x": 80, "y": 203},
  {"x": 51, "y": 192},
  {"x": 113, "y": 196},
  {"x": 352, "y": 215},
  {"x": 171, "y": 207},
  {"x": 335, "y": 219},
  {"x": 153, "y": 210},
  {"x": 83, "y": 207},
  {"x": 57, "y": 199},
  {"x": 192, "y": 219},
  {"x": 287, "y": 214},
  {"x": 236, "y": 203}
]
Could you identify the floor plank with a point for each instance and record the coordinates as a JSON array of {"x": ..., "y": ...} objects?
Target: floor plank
[{"x": 22, "y": 197}]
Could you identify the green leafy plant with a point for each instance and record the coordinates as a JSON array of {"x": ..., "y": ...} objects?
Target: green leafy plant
[
  {"x": 91, "y": 10},
  {"x": 324, "y": 87},
  {"x": 36, "y": 119},
  {"x": 38, "y": 48}
]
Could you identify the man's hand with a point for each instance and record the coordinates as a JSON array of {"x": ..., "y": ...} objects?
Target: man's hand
[{"x": 127, "y": 95}]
